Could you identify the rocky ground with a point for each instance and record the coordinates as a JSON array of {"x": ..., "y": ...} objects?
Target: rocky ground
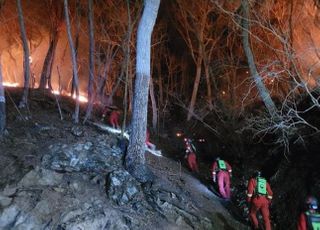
[{"x": 57, "y": 175}]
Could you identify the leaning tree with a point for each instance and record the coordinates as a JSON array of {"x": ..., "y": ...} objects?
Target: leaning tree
[
  {"x": 55, "y": 11},
  {"x": 74, "y": 61},
  {"x": 26, "y": 62}
]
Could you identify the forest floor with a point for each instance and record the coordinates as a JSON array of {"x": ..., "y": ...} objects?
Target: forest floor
[{"x": 58, "y": 175}]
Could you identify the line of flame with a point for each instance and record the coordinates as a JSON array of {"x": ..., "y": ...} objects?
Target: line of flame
[
  {"x": 10, "y": 84},
  {"x": 82, "y": 98}
]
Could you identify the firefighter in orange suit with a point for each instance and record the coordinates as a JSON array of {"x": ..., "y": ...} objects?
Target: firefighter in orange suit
[
  {"x": 259, "y": 196},
  {"x": 310, "y": 218},
  {"x": 114, "y": 119},
  {"x": 191, "y": 155},
  {"x": 222, "y": 170}
]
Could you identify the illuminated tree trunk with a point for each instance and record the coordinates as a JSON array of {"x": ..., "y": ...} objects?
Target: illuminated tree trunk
[
  {"x": 45, "y": 80},
  {"x": 74, "y": 61},
  {"x": 127, "y": 63},
  {"x": 135, "y": 159},
  {"x": 2, "y": 105},
  {"x": 209, "y": 91},
  {"x": 154, "y": 107},
  {"x": 26, "y": 64},
  {"x": 91, "y": 60},
  {"x": 195, "y": 88},
  {"x": 160, "y": 84},
  {"x": 263, "y": 91},
  {"x": 76, "y": 46}
]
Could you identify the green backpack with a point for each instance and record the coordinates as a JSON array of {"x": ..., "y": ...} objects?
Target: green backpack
[
  {"x": 313, "y": 221},
  {"x": 261, "y": 187},
  {"x": 222, "y": 165}
]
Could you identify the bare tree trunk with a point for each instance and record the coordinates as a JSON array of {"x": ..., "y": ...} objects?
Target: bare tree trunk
[
  {"x": 127, "y": 56},
  {"x": 263, "y": 91},
  {"x": 130, "y": 87},
  {"x": 45, "y": 79},
  {"x": 26, "y": 64},
  {"x": 209, "y": 91},
  {"x": 160, "y": 84},
  {"x": 195, "y": 88},
  {"x": 74, "y": 61},
  {"x": 76, "y": 46},
  {"x": 2, "y": 105},
  {"x": 91, "y": 60},
  {"x": 135, "y": 159},
  {"x": 154, "y": 107}
]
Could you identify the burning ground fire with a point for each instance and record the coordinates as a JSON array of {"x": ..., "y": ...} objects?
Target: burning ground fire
[
  {"x": 9, "y": 84},
  {"x": 82, "y": 98}
]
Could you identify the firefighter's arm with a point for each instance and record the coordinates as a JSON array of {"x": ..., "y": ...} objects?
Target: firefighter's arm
[
  {"x": 229, "y": 169},
  {"x": 302, "y": 224},
  {"x": 213, "y": 171},
  {"x": 251, "y": 186},
  {"x": 270, "y": 193}
]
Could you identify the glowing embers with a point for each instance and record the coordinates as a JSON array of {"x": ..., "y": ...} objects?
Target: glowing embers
[
  {"x": 82, "y": 98},
  {"x": 10, "y": 84}
]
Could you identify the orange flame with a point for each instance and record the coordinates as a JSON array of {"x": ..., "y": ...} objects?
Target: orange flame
[{"x": 82, "y": 97}]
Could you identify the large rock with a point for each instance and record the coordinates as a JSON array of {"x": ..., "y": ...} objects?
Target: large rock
[
  {"x": 96, "y": 157},
  {"x": 93, "y": 218},
  {"x": 40, "y": 176},
  {"x": 122, "y": 188}
]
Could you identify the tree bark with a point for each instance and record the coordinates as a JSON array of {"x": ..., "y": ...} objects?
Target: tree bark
[
  {"x": 154, "y": 107},
  {"x": 26, "y": 64},
  {"x": 91, "y": 60},
  {"x": 2, "y": 105},
  {"x": 263, "y": 91},
  {"x": 76, "y": 46},
  {"x": 135, "y": 159},
  {"x": 74, "y": 61},
  {"x": 195, "y": 88},
  {"x": 209, "y": 91},
  {"x": 45, "y": 80},
  {"x": 127, "y": 60}
]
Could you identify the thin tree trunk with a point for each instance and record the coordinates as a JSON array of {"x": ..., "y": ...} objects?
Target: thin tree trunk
[
  {"x": 124, "y": 64},
  {"x": 130, "y": 87},
  {"x": 45, "y": 80},
  {"x": 154, "y": 107},
  {"x": 263, "y": 91},
  {"x": 135, "y": 159},
  {"x": 160, "y": 84},
  {"x": 207, "y": 75},
  {"x": 195, "y": 88},
  {"x": 209, "y": 91},
  {"x": 127, "y": 56},
  {"x": 91, "y": 60},
  {"x": 26, "y": 64},
  {"x": 74, "y": 62},
  {"x": 76, "y": 41},
  {"x": 2, "y": 105}
]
